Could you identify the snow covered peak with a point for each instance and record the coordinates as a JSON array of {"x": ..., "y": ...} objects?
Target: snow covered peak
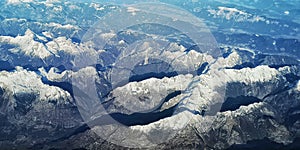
[
  {"x": 233, "y": 59},
  {"x": 27, "y": 45},
  {"x": 23, "y": 81},
  {"x": 37, "y": 46},
  {"x": 298, "y": 86},
  {"x": 29, "y": 33},
  {"x": 251, "y": 75}
]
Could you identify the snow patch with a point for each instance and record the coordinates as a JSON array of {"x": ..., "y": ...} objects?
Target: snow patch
[
  {"x": 57, "y": 25},
  {"x": 233, "y": 13},
  {"x": 96, "y": 6},
  {"x": 18, "y": 1},
  {"x": 53, "y": 76}
]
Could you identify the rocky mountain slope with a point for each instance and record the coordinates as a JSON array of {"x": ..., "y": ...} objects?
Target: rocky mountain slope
[{"x": 58, "y": 91}]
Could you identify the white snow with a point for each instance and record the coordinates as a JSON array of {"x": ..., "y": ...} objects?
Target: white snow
[
  {"x": 232, "y": 60},
  {"x": 210, "y": 88},
  {"x": 27, "y": 45},
  {"x": 298, "y": 86},
  {"x": 174, "y": 123},
  {"x": 108, "y": 35},
  {"x": 58, "y": 8},
  {"x": 56, "y": 77},
  {"x": 132, "y": 10},
  {"x": 49, "y": 3},
  {"x": 154, "y": 89},
  {"x": 96, "y": 6},
  {"x": 18, "y": 1},
  {"x": 62, "y": 44},
  {"x": 227, "y": 12},
  {"x": 23, "y": 81},
  {"x": 47, "y": 34},
  {"x": 57, "y": 25},
  {"x": 233, "y": 13},
  {"x": 286, "y": 12},
  {"x": 181, "y": 60},
  {"x": 15, "y": 19},
  {"x": 251, "y": 75}
]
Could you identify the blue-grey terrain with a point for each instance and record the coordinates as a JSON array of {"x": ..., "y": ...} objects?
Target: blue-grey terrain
[{"x": 68, "y": 80}]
